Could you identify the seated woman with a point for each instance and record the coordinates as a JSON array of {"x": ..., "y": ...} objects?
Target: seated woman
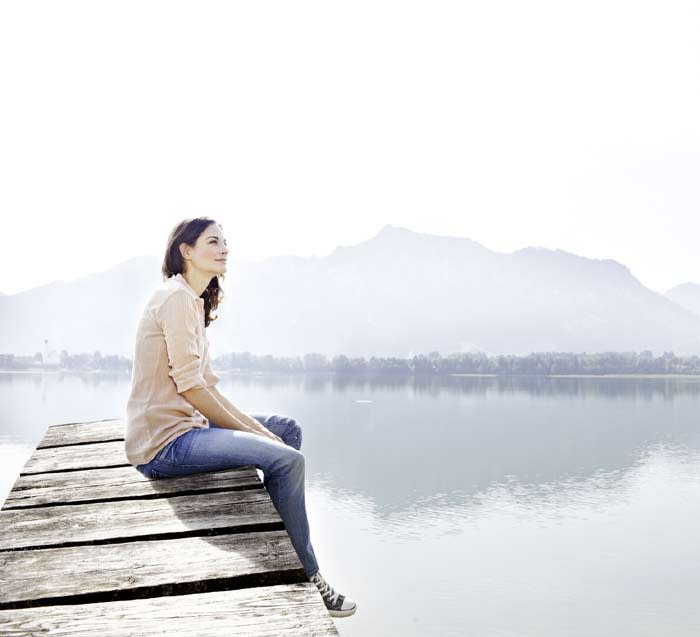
[{"x": 178, "y": 422}]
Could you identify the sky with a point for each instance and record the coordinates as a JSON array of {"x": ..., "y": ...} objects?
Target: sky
[{"x": 302, "y": 126}]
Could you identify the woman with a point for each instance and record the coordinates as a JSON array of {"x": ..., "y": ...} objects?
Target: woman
[{"x": 179, "y": 423}]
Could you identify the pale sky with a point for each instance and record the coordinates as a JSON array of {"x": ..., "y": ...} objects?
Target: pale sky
[{"x": 301, "y": 126}]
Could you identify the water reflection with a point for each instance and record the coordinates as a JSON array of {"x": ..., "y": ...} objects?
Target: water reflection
[
  {"x": 423, "y": 438},
  {"x": 595, "y": 386}
]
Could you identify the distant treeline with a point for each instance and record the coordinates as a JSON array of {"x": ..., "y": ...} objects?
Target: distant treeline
[
  {"x": 66, "y": 361},
  {"x": 545, "y": 363},
  {"x": 538, "y": 363}
]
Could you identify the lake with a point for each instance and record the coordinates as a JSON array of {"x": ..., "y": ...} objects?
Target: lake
[{"x": 460, "y": 505}]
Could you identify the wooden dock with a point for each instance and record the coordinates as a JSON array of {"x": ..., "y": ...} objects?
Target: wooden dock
[{"x": 90, "y": 546}]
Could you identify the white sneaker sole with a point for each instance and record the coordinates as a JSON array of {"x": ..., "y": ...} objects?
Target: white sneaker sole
[{"x": 342, "y": 613}]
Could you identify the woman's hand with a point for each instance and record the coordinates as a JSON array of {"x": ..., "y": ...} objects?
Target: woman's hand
[{"x": 266, "y": 433}]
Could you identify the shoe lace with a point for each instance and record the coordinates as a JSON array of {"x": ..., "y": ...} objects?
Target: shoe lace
[{"x": 327, "y": 591}]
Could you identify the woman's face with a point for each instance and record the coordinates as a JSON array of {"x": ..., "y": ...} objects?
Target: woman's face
[{"x": 209, "y": 253}]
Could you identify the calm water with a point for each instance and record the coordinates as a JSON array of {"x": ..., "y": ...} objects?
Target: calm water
[{"x": 469, "y": 506}]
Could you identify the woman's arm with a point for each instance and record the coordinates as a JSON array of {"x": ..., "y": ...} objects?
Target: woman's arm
[
  {"x": 215, "y": 406},
  {"x": 206, "y": 402},
  {"x": 238, "y": 414},
  {"x": 179, "y": 318}
]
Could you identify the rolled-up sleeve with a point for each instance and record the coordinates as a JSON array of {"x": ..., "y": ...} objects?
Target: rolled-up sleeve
[{"x": 179, "y": 319}]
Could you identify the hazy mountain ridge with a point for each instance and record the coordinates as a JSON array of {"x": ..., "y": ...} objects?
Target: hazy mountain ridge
[
  {"x": 686, "y": 295},
  {"x": 396, "y": 294}
]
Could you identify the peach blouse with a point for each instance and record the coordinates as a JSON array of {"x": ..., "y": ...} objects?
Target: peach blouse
[{"x": 170, "y": 357}]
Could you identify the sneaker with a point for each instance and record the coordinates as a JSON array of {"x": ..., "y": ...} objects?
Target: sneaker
[{"x": 338, "y": 605}]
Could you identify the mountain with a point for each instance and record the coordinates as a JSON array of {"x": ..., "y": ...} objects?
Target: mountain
[
  {"x": 397, "y": 294},
  {"x": 686, "y": 295},
  {"x": 95, "y": 312}
]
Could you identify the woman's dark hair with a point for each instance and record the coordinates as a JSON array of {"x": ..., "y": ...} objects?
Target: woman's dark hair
[{"x": 188, "y": 231}]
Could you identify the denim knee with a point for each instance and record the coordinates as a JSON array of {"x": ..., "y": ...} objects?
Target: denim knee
[
  {"x": 291, "y": 433},
  {"x": 295, "y": 434},
  {"x": 290, "y": 461}
]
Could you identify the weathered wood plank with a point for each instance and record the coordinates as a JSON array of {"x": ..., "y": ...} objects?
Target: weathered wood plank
[
  {"x": 88, "y": 456},
  {"x": 268, "y": 611},
  {"x": 72, "y": 457},
  {"x": 52, "y": 525},
  {"x": 113, "y": 569},
  {"x": 81, "y": 432},
  {"x": 113, "y": 483}
]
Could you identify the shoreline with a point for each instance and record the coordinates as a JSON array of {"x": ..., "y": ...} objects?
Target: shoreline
[
  {"x": 368, "y": 373},
  {"x": 593, "y": 375}
]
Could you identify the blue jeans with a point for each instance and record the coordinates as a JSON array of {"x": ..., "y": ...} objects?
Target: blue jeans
[{"x": 217, "y": 448}]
